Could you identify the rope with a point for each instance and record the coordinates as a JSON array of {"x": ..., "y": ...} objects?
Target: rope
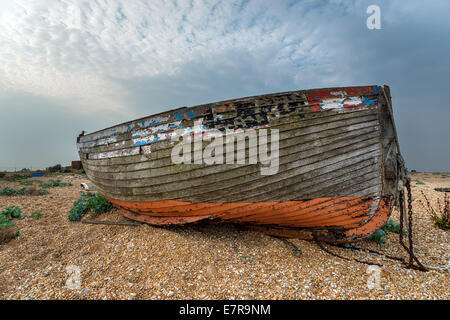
[
  {"x": 321, "y": 246},
  {"x": 447, "y": 267}
]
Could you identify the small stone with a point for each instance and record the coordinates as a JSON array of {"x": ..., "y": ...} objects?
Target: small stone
[
  {"x": 85, "y": 291},
  {"x": 211, "y": 270}
]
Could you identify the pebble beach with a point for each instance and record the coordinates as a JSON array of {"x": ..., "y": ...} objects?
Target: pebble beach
[{"x": 57, "y": 259}]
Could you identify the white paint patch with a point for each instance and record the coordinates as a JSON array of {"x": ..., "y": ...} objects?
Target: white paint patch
[
  {"x": 341, "y": 94},
  {"x": 157, "y": 129},
  {"x": 114, "y": 145},
  {"x": 153, "y": 121},
  {"x": 114, "y": 154},
  {"x": 339, "y": 103},
  {"x": 91, "y": 144},
  {"x": 153, "y": 138},
  {"x": 180, "y": 132}
]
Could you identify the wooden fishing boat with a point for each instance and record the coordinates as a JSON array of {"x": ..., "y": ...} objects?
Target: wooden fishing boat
[{"x": 336, "y": 179}]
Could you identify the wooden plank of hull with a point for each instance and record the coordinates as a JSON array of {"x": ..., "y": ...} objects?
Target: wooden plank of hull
[
  {"x": 349, "y": 219},
  {"x": 159, "y": 167},
  {"x": 330, "y": 179},
  {"x": 305, "y": 119},
  {"x": 245, "y": 181},
  {"x": 179, "y": 174}
]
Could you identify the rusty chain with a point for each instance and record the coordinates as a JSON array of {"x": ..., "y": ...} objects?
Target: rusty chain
[{"x": 410, "y": 249}]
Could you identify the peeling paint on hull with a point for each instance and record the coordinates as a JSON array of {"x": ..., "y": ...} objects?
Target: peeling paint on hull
[{"x": 335, "y": 219}]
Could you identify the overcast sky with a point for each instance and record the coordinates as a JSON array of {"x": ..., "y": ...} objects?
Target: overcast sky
[{"x": 68, "y": 66}]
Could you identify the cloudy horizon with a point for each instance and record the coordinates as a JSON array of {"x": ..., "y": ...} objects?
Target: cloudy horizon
[{"x": 68, "y": 66}]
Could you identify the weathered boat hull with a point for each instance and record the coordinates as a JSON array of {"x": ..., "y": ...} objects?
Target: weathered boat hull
[{"x": 336, "y": 178}]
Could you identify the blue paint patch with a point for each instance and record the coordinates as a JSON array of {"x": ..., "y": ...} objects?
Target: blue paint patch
[
  {"x": 144, "y": 142},
  {"x": 375, "y": 90},
  {"x": 141, "y": 132},
  {"x": 179, "y": 115},
  {"x": 369, "y": 101},
  {"x": 151, "y": 123},
  {"x": 176, "y": 125},
  {"x": 191, "y": 114}
]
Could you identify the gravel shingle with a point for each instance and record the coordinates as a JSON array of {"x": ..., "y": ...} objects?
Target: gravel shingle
[{"x": 203, "y": 261}]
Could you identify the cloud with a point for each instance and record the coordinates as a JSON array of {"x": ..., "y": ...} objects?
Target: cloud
[
  {"x": 79, "y": 51},
  {"x": 116, "y": 60}
]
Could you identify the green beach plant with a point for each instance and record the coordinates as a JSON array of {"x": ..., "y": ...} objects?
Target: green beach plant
[
  {"x": 7, "y": 230},
  {"x": 83, "y": 205},
  {"x": 379, "y": 236},
  {"x": 23, "y": 191},
  {"x": 13, "y": 212},
  {"x": 36, "y": 214},
  {"x": 441, "y": 218}
]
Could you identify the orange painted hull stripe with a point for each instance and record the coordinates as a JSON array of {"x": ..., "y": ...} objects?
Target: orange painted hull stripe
[{"x": 353, "y": 216}]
